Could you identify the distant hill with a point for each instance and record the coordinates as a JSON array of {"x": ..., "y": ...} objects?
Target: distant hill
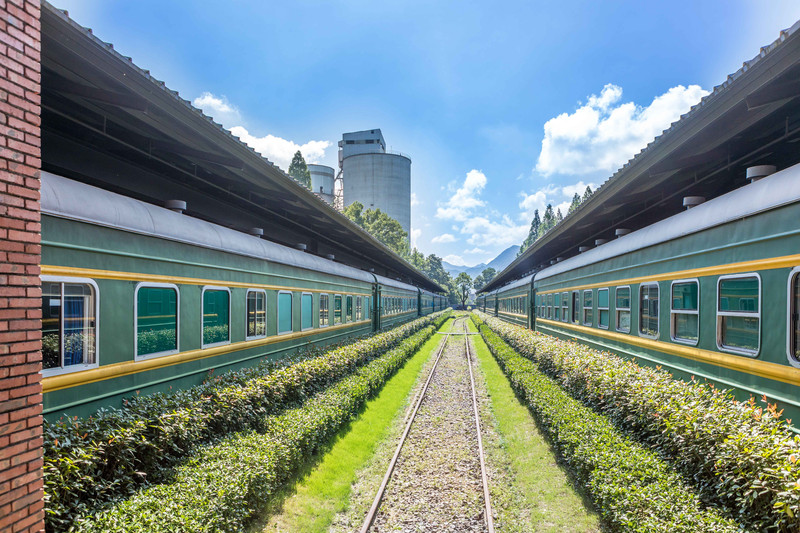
[{"x": 498, "y": 263}]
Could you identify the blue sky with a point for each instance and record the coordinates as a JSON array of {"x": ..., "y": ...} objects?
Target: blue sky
[{"x": 502, "y": 107}]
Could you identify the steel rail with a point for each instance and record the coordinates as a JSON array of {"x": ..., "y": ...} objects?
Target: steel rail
[
  {"x": 486, "y": 499},
  {"x": 373, "y": 510}
]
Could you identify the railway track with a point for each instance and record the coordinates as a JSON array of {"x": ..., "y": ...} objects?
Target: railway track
[{"x": 451, "y": 389}]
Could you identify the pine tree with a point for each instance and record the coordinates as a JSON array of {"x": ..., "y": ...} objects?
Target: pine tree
[
  {"x": 576, "y": 201},
  {"x": 532, "y": 233},
  {"x": 559, "y": 216},
  {"x": 548, "y": 221},
  {"x": 586, "y": 194},
  {"x": 299, "y": 170}
]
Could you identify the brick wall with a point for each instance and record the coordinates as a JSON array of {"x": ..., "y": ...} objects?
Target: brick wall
[{"x": 21, "y": 504}]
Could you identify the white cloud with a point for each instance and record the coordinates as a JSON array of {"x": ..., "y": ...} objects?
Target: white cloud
[
  {"x": 495, "y": 233},
  {"x": 559, "y": 197},
  {"x": 465, "y": 198},
  {"x": 454, "y": 260},
  {"x": 443, "y": 238},
  {"x": 475, "y": 251},
  {"x": 601, "y": 135},
  {"x": 415, "y": 233},
  {"x": 414, "y": 199},
  {"x": 278, "y": 150}
]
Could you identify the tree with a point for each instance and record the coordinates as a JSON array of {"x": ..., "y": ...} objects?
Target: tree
[
  {"x": 419, "y": 261},
  {"x": 488, "y": 274},
  {"x": 381, "y": 226},
  {"x": 532, "y": 233},
  {"x": 559, "y": 216},
  {"x": 299, "y": 170},
  {"x": 464, "y": 284},
  {"x": 354, "y": 213},
  {"x": 483, "y": 278},
  {"x": 587, "y": 193},
  {"x": 548, "y": 221},
  {"x": 576, "y": 201}
]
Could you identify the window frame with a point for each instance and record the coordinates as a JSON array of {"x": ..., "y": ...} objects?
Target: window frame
[
  {"x": 794, "y": 361},
  {"x": 618, "y": 309},
  {"x": 247, "y": 318},
  {"x": 341, "y": 315},
  {"x": 278, "y": 313},
  {"x": 76, "y": 368},
  {"x": 202, "y": 314},
  {"x": 136, "y": 356},
  {"x": 673, "y": 312},
  {"x": 721, "y": 347},
  {"x": 606, "y": 308},
  {"x": 302, "y": 294},
  {"x": 327, "y": 309},
  {"x": 658, "y": 313},
  {"x": 359, "y": 308},
  {"x": 584, "y": 308},
  {"x": 565, "y": 306},
  {"x": 349, "y": 304},
  {"x": 577, "y": 307}
]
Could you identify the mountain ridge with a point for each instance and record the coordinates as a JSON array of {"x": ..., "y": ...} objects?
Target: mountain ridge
[{"x": 500, "y": 262}]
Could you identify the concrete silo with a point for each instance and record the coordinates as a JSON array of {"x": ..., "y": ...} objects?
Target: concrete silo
[
  {"x": 322, "y": 181},
  {"x": 376, "y": 178}
]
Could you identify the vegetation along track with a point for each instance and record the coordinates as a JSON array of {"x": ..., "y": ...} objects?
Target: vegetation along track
[{"x": 436, "y": 479}]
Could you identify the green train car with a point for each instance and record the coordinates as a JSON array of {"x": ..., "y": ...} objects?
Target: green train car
[
  {"x": 137, "y": 298},
  {"x": 712, "y": 293}
]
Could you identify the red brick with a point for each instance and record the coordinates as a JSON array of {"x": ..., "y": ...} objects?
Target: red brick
[
  {"x": 26, "y": 500},
  {"x": 11, "y": 451},
  {"x": 24, "y": 435},
  {"x": 21, "y": 392}
]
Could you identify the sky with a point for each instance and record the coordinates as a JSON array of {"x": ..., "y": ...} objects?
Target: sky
[{"x": 503, "y": 108}]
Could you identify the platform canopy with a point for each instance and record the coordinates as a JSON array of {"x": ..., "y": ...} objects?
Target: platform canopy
[
  {"x": 109, "y": 123},
  {"x": 752, "y": 118}
]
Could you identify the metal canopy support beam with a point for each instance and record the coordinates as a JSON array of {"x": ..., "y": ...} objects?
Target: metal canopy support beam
[
  {"x": 773, "y": 93},
  {"x": 101, "y": 95},
  {"x": 182, "y": 149}
]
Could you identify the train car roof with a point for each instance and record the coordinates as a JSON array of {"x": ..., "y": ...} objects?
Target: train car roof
[
  {"x": 514, "y": 284},
  {"x": 383, "y": 280},
  {"x": 752, "y": 118},
  {"x": 65, "y": 198},
  {"x": 771, "y": 192}
]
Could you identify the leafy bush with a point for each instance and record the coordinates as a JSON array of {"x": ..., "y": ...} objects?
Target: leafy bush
[
  {"x": 91, "y": 462},
  {"x": 226, "y": 483},
  {"x": 156, "y": 340},
  {"x": 633, "y": 489},
  {"x": 740, "y": 455}
]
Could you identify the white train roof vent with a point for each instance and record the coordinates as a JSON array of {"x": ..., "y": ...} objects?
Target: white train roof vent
[
  {"x": 760, "y": 171},
  {"x": 301, "y": 246},
  {"x": 619, "y": 232},
  {"x": 693, "y": 201},
  {"x": 598, "y": 242},
  {"x": 559, "y": 259},
  {"x": 179, "y": 206},
  {"x": 330, "y": 256},
  {"x": 256, "y": 232},
  {"x": 582, "y": 249}
]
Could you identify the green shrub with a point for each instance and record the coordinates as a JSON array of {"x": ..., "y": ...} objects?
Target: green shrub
[
  {"x": 740, "y": 455},
  {"x": 226, "y": 483},
  {"x": 633, "y": 489},
  {"x": 91, "y": 462}
]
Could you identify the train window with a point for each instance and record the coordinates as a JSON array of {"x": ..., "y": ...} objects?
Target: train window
[
  {"x": 216, "y": 316},
  {"x": 69, "y": 324},
  {"x": 565, "y": 306},
  {"x": 739, "y": 313},
  {"x": 602, "y": 308},
  {"x": 156, "y": 319},
  {"x": 648, "y": 309},
  {"x": 284, "y": 312},
  {"x": 323, "y": 310},
  {"x": 557, "y": 308},
  {"x": 684, "y": 311},
  {"x": 359, "y": 299},
  {"x": 794, "y": 315},
  {"x": 549, "y": 306},
  {"x": 576, "y": 307},
  {"x": 588, "y": 317},
  {"x": 349, "y": 308},
  {"x": 337, "y": 309},
  {"x": 623, "y": 309},
  {"x": 256, "y": 314},
  {"x": 306, "y": 311}
]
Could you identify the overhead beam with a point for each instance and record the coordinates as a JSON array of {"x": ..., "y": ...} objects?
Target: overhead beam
[
  {"x": 65, "y": 86},
  {"x": 775, "y": 92},
  {"x": 182, "y": 149}
]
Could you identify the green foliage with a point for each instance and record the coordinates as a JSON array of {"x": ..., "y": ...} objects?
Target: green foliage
[
  {"x": 299, "y": 170},
  {"x": 741, "y": 455},
  {"x": 587, "y": 194},
  {"x": 550, "y": 220},
  {"x": 381, "y": 226},
  {"x": 464, "y": 284},
  {"x": 483, "y": 278},
  {"x": 226, "y": 483},
  {"x": 634, "y": 490},
  {"x": 576, "y": 201},
  {"x": 90, "y": 462}
]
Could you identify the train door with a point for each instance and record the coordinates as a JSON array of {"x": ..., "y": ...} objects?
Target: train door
[
  {"x": 532, "y": 309},
  {"x": 377, "y": 308}
]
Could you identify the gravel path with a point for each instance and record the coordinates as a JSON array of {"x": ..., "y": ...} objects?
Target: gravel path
[{"x": 436, "y": 485}]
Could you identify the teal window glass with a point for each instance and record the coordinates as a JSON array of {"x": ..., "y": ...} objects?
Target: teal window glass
[
  {"x": 349, "y": 308},
  {"x": 68, "y": 325},
  {"x": 602, "y": 308},
  {"x": 738, "y": 315},
  {"x": 648, "y": 309},
  {"x": 684, "y": 314},
  {"x": 623, "y": 309},
  {"x": 576, "y": 307},
  {"x": 323, "y": 310},
  {"x": 359, "y": 307},
  {"x": 156, "y": 320},
  {"x": 564, "y": 306},
  {"x": 284, "y": 312},
  {"x": 306, "y": 310},
  {"x": 337, "y": 309},
  {"x": 588, "y": 315},
  {"x": 549, "y": 306},
  {"x": 256, "y": 314},
  {"x": 216, "y": 316}
]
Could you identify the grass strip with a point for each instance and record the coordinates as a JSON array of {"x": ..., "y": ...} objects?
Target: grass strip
[
  {"x": 226, "y": 484},
  {"x": 633, "y": 489},
  {"x": 544, "y": 499},
  {"x": 326, "y": 490}
]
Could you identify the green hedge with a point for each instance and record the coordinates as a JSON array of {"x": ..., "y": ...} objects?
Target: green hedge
[
  {"x": 740, "y": 455},
  {"x": 634, "y": 490},
  {"x": 225, "y": 484},
  {"x": 91, "y": 462}
]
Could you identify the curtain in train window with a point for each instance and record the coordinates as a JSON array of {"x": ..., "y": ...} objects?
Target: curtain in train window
[
  {"x": 349, "y": 308},
  {"x": 256, "y": 314},
  {"x": 794, "y": 345},
  {"x": 602, "y": 308},
  {"x": 306, "y": 310},
  {"x": 216, "y": 316},
  {"x": 648, "y": 309},
  {"x": 156, "y": 320},
  {"x": 284, "y": 312},
  {"x": 588, "y": 314},
  {"x": 576, "y": 307},
  {"x": 68, "y": 325},
  {"x": 684, "y": 312},
  {"x": 623, "y": 309},
  {"x": 738, "y": 314},
  {"x": 323, "y": 309},
  {"x": 337, "y": 309},
  {"x": 359, "y": 314},
  {"x": 565, "y": 306}
]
